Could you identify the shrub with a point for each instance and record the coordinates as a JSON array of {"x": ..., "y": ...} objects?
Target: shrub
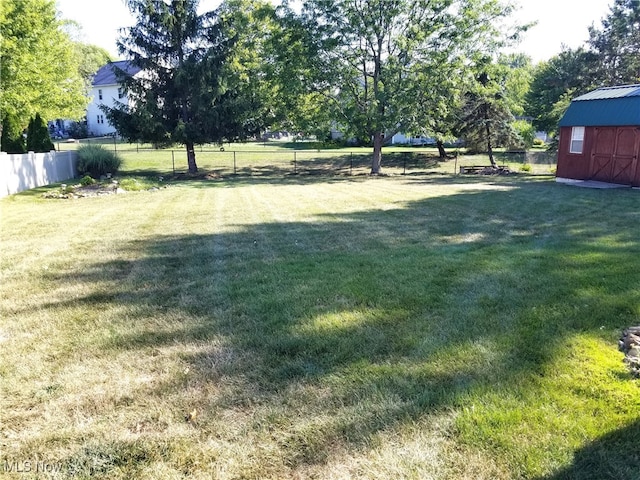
[
  {"x": 12, "y": 140},
  {"x": 78, "y": 130},
  {"x": 38, "y": 139},
  {"x": 86, "y": 181},
  {"x": 525, "y": 131},
  {"x": 96, "y": 161},
  {"x": 525, "y": 167},
  {"x": 538, "y": 142}
]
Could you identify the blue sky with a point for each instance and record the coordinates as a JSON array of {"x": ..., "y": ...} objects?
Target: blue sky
[{"x": 559, "y": 22}]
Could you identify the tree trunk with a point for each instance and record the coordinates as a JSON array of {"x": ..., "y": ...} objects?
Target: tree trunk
[
  {"x": 191, "y": 158},
  {"x": 376, "y": 165},
  {"x": 488, "y": 129},
  {"x": 441, "y": 151}
]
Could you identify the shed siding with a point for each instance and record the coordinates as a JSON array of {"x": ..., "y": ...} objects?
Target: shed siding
[
  {"x": 610, "y": 154},
  {"x": 574, "y": 165}
]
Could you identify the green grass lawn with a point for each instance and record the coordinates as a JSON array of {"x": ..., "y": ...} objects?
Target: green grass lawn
[
  {"x": 276, "y": 158},
  {"x": 318, "y": 326}
]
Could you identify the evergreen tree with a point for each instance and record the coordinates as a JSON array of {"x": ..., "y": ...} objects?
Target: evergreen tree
[
  {"x": 617, "y": 44},
  {"x": 38, "y": 139},
  {"x": 12, "y": 140},
  {"x": 187, "y": 92},
  {"x": 487, "y": 121}
]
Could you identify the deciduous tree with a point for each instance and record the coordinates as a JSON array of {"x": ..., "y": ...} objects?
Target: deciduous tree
[
  {"x": 39, "y": 68},
  {"x": 555, "y": 81},
  {"x": 374, "y": 58}
]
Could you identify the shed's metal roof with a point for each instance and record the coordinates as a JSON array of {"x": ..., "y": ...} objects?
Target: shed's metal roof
[
  {"x": 107, "y": 74},
  {"x": 605, "y": 93},
  {"x": 604, "y": 107}
]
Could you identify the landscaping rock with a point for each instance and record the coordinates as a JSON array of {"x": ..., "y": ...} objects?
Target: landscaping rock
[{"x": 630, "y": 345}]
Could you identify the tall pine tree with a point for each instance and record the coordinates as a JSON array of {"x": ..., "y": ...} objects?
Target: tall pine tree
[
  {"x": 617, "y": 44},
  {"x": 185, "y": 93},
  {"x": 487, "y": 121}
]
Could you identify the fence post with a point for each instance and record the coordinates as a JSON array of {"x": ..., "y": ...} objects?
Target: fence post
[
  {"x": 234, "y": 162},
  {"x": 173, "y": 162},
  {"x": 351, "y": 164},
  {"x": 295, "y": 162}
]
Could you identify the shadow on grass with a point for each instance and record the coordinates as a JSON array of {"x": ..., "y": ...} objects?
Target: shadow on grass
[
  {"x": 396, "y": 313},
  {"x": 306, "y": 162},
  {"x": 614, "y": 456}
]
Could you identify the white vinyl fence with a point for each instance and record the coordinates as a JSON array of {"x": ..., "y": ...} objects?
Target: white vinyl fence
[{"x": 31, "y": 170}]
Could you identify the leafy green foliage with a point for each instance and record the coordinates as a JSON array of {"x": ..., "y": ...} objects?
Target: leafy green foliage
[
  {"x": 189, "y": 92},
  {"x": 555, "y": 82},
  {"x": 87, "y": 180},
  {"x": 39, "y": 67},
  {"x": 486, "y": 119},
  {"x": 96, "y": 161},
  {"x": 78, "y": 130},
  {"x": 91, "y": 58},
  {"x": 612, "y": 57},
  {"x": 617, "y": 44},
  {"x": 373, "y": 63},
  {"x": 526, "y": 132},
  {"x": 12, "y": 139},
  {"x": 38, "y": 139}
]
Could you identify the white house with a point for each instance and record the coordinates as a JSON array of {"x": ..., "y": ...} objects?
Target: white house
[{"x": 106, "y": 91}]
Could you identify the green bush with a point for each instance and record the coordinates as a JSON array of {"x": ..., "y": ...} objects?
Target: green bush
[
  {"x": 526, "y": 132},
  {"x": 86, "y": 181},
  {"x": 526, "y": 168},
  {"x": 38, "y": 139},
  {"x": 96, "y": 161},
  {"x": 12, "y": 140},
  {"x": 78, "y": 130},
  {"x": 538, "y": 142}
]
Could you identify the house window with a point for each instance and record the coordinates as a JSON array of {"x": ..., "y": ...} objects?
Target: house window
[
  {"x": 577, "y": 140},
  {"x": 99, "y": 94},
  {"x": 100, "y": 118},
  {"x": 120, "y": 92}
]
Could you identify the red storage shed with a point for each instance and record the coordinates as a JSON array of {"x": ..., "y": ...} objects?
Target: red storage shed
[{"x": 600, "y": 137}]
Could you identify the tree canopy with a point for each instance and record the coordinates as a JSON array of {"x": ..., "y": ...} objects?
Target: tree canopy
[
  {"x": 193, "y": 88},
  {"x": 610, "y": 57},
  {"x": 617, "y": 44},
  {"x": 40, "y": 71},
  {"x": 487, "y": 120},
  {"x": 372, "y": 61}
]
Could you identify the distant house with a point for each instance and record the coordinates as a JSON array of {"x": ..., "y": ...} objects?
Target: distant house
[
  {"x": 405, "y": 139},
  {"x": 106, "y": 91},
  {"x": 600, "y": 137}
]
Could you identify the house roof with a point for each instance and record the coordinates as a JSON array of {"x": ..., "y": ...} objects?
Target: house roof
[
  {"x": 107, "y": 74},
  {"x": 605, "y": 107}
]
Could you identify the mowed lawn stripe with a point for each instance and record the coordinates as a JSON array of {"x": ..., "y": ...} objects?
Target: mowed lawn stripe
[{"x": 303, "y": 327}]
